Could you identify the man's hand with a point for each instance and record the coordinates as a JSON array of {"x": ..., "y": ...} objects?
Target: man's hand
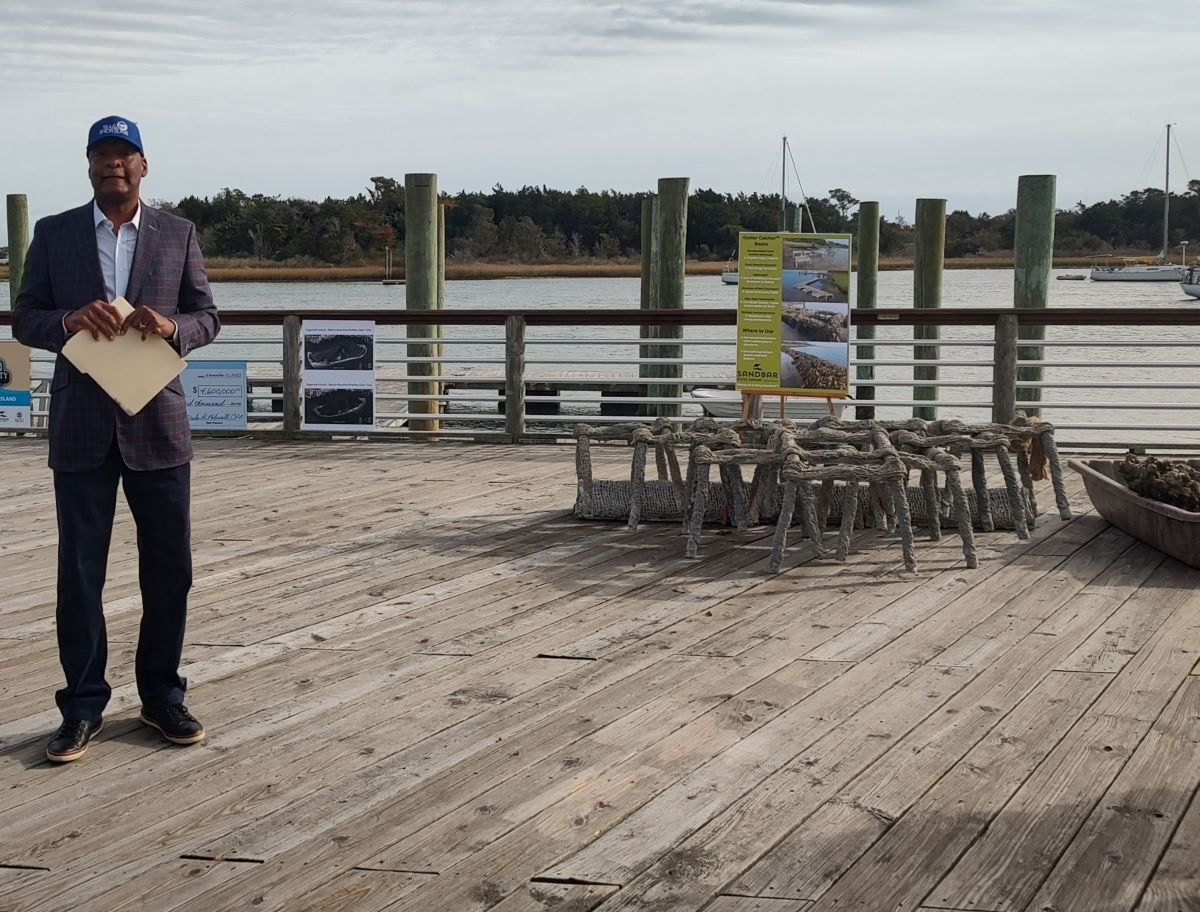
[
  {"x": 149, "y": 322},
  {"x": 99, "y": 318}
]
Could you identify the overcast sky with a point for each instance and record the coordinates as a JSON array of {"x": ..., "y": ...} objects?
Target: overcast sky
[{"x": 890, "y": 99}]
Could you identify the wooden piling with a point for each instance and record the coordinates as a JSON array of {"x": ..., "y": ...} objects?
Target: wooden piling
[
  {"x": 1033, "y": 254},
  {"x": 441, "y": 276},
  {"x": 647, "y": 285},
  {"x": 929, "y": 250},
  {"x": 867, "y": 298},
  {"x": 671, "y": 224},
  {"x": 18, "y": 243},
  {"x": 648, "y": 288},
  {"x": 421, "y": 288}
]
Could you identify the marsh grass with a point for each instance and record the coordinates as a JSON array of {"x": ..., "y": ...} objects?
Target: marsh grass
[{"x": 227, "y": 269}]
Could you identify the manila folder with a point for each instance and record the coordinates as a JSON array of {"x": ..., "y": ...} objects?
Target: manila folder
[{"x": 132, "y": 370}]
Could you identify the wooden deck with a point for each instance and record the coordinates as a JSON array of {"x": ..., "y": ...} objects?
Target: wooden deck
[{"x": 428, "y": 688}]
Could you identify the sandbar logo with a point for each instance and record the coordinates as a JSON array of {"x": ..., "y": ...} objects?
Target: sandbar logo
[
  {"x": 5, "y": 374},
  {"x": 120, "y": 128},
  {"x": 756, "y": 372}
]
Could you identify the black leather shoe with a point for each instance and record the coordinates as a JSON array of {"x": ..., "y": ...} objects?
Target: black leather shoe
[
  {"x": 71, "y": 740},
  {"x": 175, "y": 722}
]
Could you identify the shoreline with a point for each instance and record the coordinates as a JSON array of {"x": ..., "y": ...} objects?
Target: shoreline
[{"x": 484, "y": 271}]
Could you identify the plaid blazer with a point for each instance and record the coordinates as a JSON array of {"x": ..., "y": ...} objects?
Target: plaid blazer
[{"x": 62, "y": 274}]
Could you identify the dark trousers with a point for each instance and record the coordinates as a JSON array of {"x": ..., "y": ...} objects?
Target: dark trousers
[{"x": 161, "y": 505}]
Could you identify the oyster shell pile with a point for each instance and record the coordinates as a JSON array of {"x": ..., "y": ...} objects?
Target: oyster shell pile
[{"x": 1164, "y": 480}]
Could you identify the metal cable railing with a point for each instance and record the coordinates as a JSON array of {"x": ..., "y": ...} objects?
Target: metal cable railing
[{"x": 1107, "y": 378}]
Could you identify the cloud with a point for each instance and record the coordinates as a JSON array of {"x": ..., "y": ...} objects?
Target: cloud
[{"x": 150, "y": 35}]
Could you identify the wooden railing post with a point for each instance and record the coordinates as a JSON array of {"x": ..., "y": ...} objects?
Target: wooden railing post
[
  {"x": 291, "y": 375},
  {"x": 868, "y": 284},
  {"x": 1004, "y": 370},
  {"x": 514, "y": 377},
  {"x": 18, "y": 243}
]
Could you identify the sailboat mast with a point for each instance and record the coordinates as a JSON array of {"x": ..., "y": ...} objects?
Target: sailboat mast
[
  {"x": 1167, "y": 197},
  {"x": 783, "y": 225}
]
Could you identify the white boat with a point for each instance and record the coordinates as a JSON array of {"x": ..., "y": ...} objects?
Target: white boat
[
  {"x": 1190, "y": 283},
  {"x": 729, "y": 275},
  {"x": 1126, "y": 270},
  {"x": 1129, "y": 270},
  {"x": 719, "y": 403}
]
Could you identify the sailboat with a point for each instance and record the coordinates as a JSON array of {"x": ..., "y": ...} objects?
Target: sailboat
[
  {"x": 1128, "y": 270},
  {"x": 729, "y": 275}
]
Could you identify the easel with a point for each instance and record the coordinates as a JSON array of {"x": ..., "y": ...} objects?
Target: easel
[{"x": 752, "y": 402}]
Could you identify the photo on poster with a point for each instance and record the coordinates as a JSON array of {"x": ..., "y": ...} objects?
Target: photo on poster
[
  {"x": 339, "y": 409},
  {"x": 816, "y": 269},
  {"x": 340, "y": 351},
  {"x": 820, "y": 366}
]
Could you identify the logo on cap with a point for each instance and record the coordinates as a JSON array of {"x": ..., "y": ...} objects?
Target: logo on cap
[{"x": 120, "y": 128}]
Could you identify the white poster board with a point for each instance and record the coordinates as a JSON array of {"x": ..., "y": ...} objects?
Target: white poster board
[
  {"x": 16, "y": 400},
  {"x": 338, "y": 376},
  {"x": 216, "y": 395}
]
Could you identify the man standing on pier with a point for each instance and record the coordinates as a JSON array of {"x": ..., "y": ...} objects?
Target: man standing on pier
[{"x": 79, "y": 262}]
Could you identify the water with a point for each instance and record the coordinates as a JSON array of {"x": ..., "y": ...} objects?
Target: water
[{"x": 961, "y": 288}]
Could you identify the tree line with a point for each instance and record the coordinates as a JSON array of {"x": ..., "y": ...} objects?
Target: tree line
[{"x": 540, "y": 224}]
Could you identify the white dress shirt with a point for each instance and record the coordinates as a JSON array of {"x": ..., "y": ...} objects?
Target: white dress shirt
[{"x": 116, "y": 250}]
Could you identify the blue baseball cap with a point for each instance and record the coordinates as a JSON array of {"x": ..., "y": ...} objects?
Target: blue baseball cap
[{"x": 114, "y": 127}]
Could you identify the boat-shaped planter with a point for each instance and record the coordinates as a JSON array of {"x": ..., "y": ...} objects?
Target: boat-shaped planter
[{"x": 1171, "y": 530}]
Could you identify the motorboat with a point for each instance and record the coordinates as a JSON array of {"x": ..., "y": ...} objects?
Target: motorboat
[
  {"x": 1072, "y": 277},
  {"x": 723, "y": 403},
  {"x": 1190, "y": 283},
  {"x": 729, "y": 275}
]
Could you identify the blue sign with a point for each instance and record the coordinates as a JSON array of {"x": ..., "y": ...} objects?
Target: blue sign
[
  {"x": 16, "y": 407},
  {"x": 216, "y": 394}
]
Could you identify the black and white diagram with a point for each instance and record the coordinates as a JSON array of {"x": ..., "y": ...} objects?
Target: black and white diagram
[{"x": 339, "y": 375}]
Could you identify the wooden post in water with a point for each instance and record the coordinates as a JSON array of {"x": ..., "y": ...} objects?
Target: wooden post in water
[
  {"x": 672, "y": 252},
  {"x": 649, "y": 290},
  {"x": 441, "y": 277},
  {"x": 868, "y": 285},
  {"x": 292, "y": 373},
  {"x": 1033, "y": 253},
  {"x": 647, "y": 284},
  {"x": 18, "y": 243},
  {"x": 929, "y": 252},
  {"x": 421, "y": 281}
]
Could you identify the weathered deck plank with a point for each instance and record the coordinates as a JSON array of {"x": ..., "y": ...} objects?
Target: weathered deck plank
[{"x": 429, "y": 689}]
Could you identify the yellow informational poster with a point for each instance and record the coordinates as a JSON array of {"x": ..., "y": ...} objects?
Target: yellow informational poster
[{"x": 794, "y": 314}]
